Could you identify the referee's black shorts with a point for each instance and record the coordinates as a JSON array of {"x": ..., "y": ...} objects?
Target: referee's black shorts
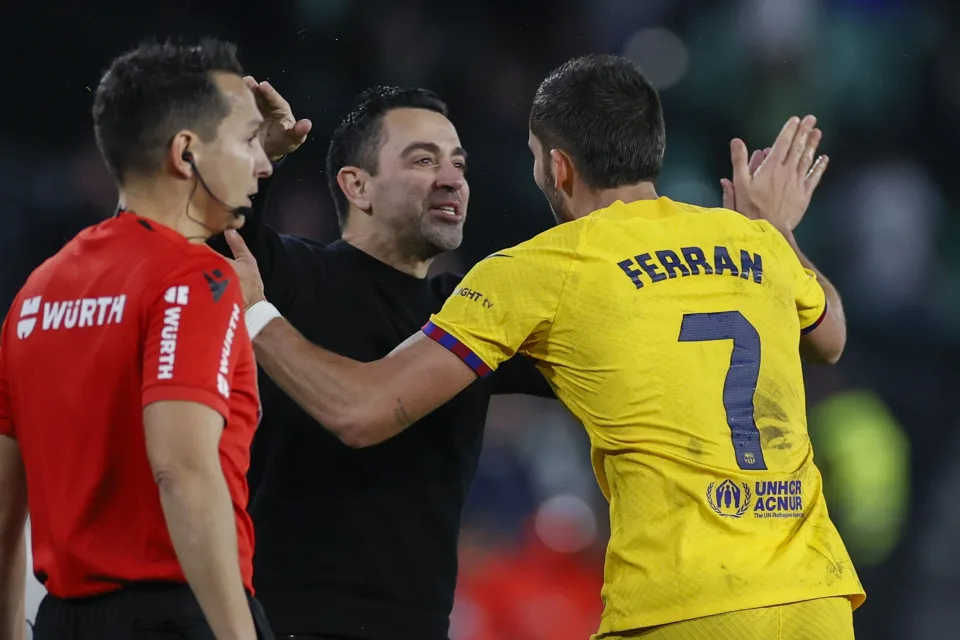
[{"x": 148, "y": 611}]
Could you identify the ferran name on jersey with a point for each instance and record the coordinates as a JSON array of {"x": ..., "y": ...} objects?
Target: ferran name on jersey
[
  {"x": 692, "y": 261},
  {"x": 767, "y": 499}
]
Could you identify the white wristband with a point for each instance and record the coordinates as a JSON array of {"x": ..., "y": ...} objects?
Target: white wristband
[{"x": 258, "y": 316}]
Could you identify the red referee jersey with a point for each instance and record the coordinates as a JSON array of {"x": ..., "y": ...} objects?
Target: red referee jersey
[{"x": 126, "y": 314}]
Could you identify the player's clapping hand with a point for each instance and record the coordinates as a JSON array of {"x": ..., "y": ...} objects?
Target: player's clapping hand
[
  {"x": 729, "y": 194},
  {"x": 281, "y": 132},
  {"x": 776, "y": 184},
  {"x": 247, "y": 270}
]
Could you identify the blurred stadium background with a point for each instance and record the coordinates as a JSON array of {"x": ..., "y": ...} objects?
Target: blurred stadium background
[{"x": 882, "y": 77}]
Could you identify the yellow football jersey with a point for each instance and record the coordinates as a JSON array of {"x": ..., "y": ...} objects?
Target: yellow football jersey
[{"x": 672, "y": 333}]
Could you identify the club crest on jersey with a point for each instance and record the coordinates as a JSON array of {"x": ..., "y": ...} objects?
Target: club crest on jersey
[
  {"x": 729, "y": 499},
  {"x": 767, "y": 498}
]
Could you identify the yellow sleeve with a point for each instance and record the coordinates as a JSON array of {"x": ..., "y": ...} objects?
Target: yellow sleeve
[
  {"x": 507, "y": 300},
  {"x": 811, "y": 300},
  {"x": 809, "y": 296}
]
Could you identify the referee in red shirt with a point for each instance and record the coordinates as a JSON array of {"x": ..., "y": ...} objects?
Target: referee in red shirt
[{"x": 128, "y": 391}]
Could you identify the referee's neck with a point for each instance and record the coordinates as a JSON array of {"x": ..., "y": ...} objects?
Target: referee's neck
[{"x": 164, "y": 205}]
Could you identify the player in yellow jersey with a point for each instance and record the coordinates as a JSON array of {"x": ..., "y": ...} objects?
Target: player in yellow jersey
[{"x": 674, "y": 334}]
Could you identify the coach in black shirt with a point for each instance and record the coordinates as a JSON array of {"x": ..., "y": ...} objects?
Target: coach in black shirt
[{"x": 361, "y": 543}]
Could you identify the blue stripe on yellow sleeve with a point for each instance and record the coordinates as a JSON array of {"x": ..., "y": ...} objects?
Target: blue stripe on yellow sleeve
[
  {"x": 816, "y": 324},
  {"x": 457, "y": 348}
]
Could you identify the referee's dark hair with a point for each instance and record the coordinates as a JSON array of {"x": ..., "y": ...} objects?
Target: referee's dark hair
[
  {"x": 154, "y": 91},
  {"x": 356, "y": 142},
  {"x": 604, "y": 112}
]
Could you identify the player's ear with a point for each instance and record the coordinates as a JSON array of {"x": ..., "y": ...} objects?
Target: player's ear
[
  {"x": 355, "y": 184},
  {"x": 563, "y": 171},
  {"x": 182, "y": 149}
]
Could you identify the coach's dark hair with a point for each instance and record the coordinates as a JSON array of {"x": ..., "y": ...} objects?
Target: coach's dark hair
[
  {"x": 604, "y": 112},
  {"x": 358, "y": 139},
  {"x": 154, "y": 91}
]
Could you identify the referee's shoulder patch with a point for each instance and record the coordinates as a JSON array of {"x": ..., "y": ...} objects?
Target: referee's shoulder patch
[{"x": 217, "y": 283}]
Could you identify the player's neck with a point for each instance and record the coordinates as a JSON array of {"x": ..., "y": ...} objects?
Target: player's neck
[
  {"x": 595, "y": 200},
  {"x": 164, "y": 205},
  {"x": 384, "y": 246}
]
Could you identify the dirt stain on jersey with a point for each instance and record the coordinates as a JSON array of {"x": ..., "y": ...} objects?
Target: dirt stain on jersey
[
  {"x": 770, "y": 416},
  {"x": 695, "y": 447}
]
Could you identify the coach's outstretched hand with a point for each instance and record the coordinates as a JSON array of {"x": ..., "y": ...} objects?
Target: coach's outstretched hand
[
  {"x": 251, "y": 284},
  {"x": 776, "y": 184},
  {"x": 281, "y": 132}
]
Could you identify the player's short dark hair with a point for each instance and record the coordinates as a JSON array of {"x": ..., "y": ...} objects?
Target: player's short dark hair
[
  {"x": 604, "y": 112},
  {"x": 357, "y": 140},
  {"x": 153, "y": 91}
]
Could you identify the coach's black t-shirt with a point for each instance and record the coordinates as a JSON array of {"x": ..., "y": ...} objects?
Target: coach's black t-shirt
[{"x": 360, "y": 543}]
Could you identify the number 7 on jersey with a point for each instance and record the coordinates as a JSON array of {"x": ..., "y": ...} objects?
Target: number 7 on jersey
[{"x": 741, "y": 381}]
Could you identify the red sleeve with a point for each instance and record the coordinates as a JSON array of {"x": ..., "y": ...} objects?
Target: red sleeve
[
  {"x": 190, "y": 349},
  {"x": 6, "y": 407}
]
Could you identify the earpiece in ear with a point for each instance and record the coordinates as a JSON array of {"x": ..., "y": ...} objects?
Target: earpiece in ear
[{"x": 187, "y": 156}]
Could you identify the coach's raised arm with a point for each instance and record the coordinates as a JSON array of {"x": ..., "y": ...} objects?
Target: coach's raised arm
[{"x": 281, "y": 134}]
